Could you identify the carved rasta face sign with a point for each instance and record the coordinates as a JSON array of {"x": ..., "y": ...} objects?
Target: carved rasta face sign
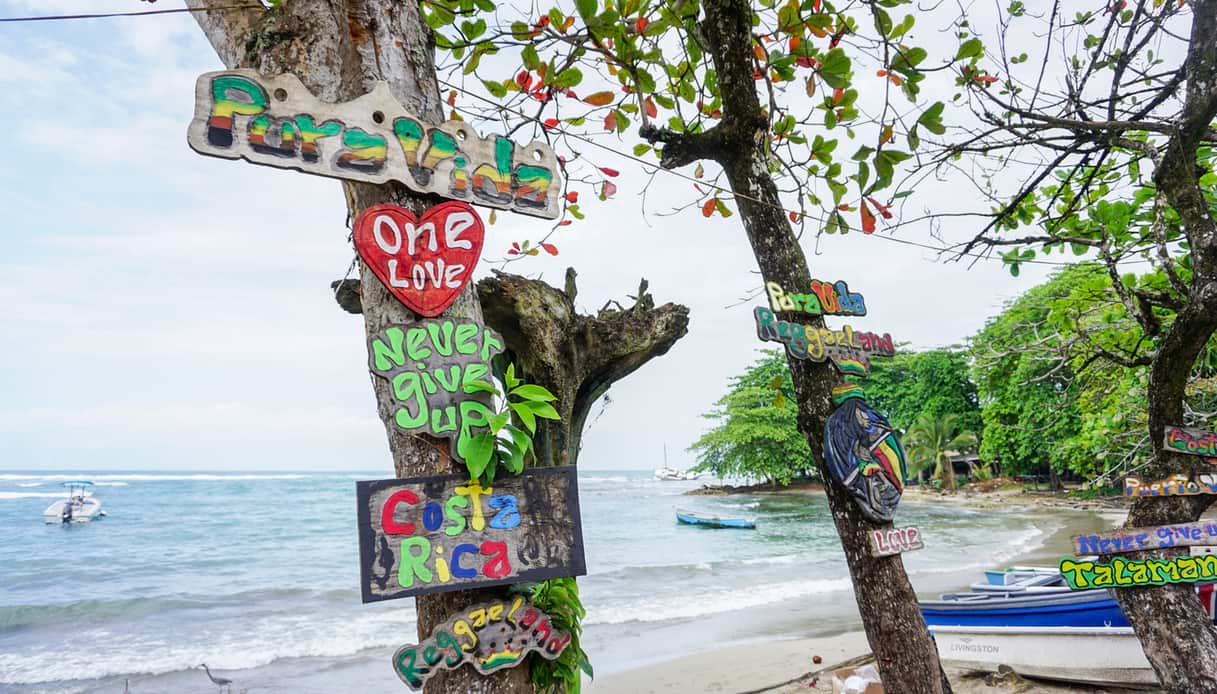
[
  {"x": 864, "y": 454},
  {"x": 426, "y": 262}
]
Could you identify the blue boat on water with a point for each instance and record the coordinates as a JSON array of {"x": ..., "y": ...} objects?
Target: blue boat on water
[{"x": 708, "y": 521}]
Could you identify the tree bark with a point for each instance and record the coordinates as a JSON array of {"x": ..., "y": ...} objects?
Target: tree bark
[
  {"x": 576, "y": 357},
  {"x": 906, "y": 655},
  {"x": 339, "y": 49},
  {"x": 1177, "y": 636}
]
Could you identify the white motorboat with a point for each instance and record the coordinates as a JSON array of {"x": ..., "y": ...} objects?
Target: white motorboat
[
  {"x": 80, "y": 506},
  {"x": 668, "y": 474},
  {"x": 1090, "y": 655}
]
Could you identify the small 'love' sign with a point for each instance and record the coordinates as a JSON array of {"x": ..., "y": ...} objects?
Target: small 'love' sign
[{"x": 426, "y": 262}]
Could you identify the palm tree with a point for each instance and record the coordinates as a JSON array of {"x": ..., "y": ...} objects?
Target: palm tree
[{"x": 929, "y": 442}]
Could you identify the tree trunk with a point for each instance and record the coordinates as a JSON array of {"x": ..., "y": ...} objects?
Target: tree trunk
[
  {"x": 339, "y": 50},
  {"x": 576, "y": 357},
  {"x": 1161, "y": 615},
  {"x": 895, "y": 629}
]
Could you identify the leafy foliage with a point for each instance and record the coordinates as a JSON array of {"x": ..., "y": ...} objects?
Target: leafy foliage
[
  {"x": 828, "y": 73},
  {"x": 506, "y": 444},
  {"x": 756, "y": 433},
  {"x": 931, "y": 440},
  {"x": 559, "y": 598},
  {"x": 935, "y": 382}
]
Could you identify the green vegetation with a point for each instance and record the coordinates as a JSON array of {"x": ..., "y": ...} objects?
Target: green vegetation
[
  {"x": 934, "y": 382},
  {"x": 559, "y": 598},
  {"x": 931, "y": 441},
  {"x": 756, "y": 435},
  {"x": 1029, "y": 390}
]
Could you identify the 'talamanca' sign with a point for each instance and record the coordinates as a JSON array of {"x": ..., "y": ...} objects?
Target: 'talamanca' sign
[
  {"x": 435, "y": 534},
  {"x": 276, "y": 121}
]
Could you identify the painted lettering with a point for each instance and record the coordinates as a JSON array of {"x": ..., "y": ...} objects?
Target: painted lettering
[{"x": 235, "y": 118}]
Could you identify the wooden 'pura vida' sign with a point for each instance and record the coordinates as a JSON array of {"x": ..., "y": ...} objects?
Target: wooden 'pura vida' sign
[
  {"x": 434, "y": 534},
  {"x": 276, "y": 121},
  {"x": 490, "y": 637}
]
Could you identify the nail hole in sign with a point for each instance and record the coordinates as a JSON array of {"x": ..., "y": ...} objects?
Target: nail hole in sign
[{"x": 281, "y": 94}]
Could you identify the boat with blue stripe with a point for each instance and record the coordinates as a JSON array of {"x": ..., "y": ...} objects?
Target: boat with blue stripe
[{"x": 709, "y": 521}]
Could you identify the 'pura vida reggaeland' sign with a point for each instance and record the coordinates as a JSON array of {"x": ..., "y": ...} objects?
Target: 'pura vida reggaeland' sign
[
  {"x": 434, "y": 534},
  {"x": 276, "y": 121}
]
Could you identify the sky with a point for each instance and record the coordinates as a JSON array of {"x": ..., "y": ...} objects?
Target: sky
[{"x": 164, "y": 310}]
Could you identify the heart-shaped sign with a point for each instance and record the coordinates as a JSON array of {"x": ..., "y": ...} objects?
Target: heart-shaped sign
[{"x": 426, "y": 262}]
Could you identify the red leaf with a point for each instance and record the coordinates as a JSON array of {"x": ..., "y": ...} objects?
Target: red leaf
[
  {"x": 550, "y": 248},
  {"x": 883, "y": 210},
  {"x": 837, "y": 95},
  {"x": 612, "y": 173},
  {"x": 515, "y": 245},
  {"x": 868, "y": 219},
  {"x": 610, "y": 121},
  {"x": 794, "y": 43},
  {"x": 452, "y": 97},
  {"x": 564, "y": 223},
  {"x": 512, "y": 251},
  {"x": 794, "y": 217},
  {"x": 572, "y": 196},
  {"x": 886, "y": 135},
  {"x": 641, "y": 25},
  {"x": 708, "y": 208},
  {"x": 649, "y": 105},
  {"x": 524, "y": 79},
  {"x": 550, "y": 123},
  {"x": 608, "y": 190},
  {"x": 543, "y": 21}
]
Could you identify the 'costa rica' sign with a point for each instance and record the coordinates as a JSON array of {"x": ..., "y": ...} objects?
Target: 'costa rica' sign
[{"x": 434, "y": 534}]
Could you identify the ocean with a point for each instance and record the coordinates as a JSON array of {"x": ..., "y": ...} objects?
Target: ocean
[{"x": 250, "y": 572}]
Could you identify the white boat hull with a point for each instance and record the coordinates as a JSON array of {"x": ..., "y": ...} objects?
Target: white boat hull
[
  {"x": 84, "y": 511},
  {"x": 1089, "y": 655}
]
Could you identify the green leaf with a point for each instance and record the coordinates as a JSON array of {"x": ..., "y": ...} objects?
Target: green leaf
[
  {"x": 521, "y": 439},
  {"x": 509, "y": 378},
  {"x": 477, "y": 385},
  {"x": 529, "y": 391},
  {"x": 542, "y": 409},
  {"x": 529, "y": 55},
  {"x": 496, "y": 89},
  {"x": 586, "y": 8},
  {"x": 477, "y": 454},
  {"x": 972, "y": 48},
  {"x": 569, "y": 77},
  {"x": 525, "y": 414},
  {"x": 498, "y": 421},
  {"x": 641, "y": 149}
]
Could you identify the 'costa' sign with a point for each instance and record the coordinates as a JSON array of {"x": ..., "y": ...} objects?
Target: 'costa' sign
[{"x": 434, "y": 534}]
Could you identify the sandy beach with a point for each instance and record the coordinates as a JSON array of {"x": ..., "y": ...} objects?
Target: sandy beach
[{"x": 786, "y": 664}]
